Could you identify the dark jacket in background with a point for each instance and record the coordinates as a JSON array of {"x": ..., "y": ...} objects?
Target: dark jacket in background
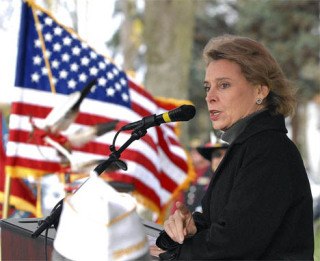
[{"x": 259, "y": 203}]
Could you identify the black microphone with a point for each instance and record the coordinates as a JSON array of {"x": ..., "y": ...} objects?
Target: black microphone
[{"x": 182, "y": 113}]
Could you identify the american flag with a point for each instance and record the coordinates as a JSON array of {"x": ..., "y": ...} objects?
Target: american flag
[{"x": 53, "y": 62}]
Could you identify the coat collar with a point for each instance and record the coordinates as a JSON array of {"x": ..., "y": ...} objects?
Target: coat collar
[
  {"x": 234, "y": 131},
  {"x": 262, "y": 122}
]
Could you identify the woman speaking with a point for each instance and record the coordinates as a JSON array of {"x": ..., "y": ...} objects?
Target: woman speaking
[{"x": 259, "y": 203}]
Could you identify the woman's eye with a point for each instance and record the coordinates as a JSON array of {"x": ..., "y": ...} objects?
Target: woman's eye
[
  {"x": 224, "y": 85},
  {"x": 206, "y": 88}
]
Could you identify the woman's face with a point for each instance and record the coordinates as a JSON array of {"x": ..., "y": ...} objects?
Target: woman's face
[{"x": 230, "y": 97}]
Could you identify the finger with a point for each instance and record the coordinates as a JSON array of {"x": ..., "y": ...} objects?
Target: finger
[
  {"x": 167, "y": 228},
  {"x": 185, "y": 213},
  {"x": 187, "y": 217},
  {"x": 187, "y": 223},
  {"x": 183, "y": 209},
  {"x": 171, "y": 230},
  {"x": 191, "y": 228},
  {"x": 179, "y": 226}
]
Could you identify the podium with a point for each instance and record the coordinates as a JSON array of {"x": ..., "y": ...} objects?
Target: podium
[{"x": 17, "y": 244}]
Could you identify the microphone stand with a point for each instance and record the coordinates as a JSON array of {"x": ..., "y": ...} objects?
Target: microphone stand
[{"x": 53, "y": 218}]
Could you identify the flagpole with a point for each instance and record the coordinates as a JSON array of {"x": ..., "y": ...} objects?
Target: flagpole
[{"x": 6, "y": 201}]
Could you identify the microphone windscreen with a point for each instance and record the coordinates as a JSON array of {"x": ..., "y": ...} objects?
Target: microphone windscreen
[{"x": 183, "y": 113}]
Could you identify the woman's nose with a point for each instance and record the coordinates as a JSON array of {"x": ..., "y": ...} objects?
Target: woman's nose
[{"x": 211, "y": 96}]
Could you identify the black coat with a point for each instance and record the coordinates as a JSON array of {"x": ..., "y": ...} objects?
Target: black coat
[{"x": 259, "y": 203}]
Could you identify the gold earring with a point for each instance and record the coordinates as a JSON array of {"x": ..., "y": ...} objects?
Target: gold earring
[{"x": 259, "y": 101}]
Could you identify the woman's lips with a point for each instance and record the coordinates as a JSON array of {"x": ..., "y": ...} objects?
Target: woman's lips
[{"x": 214, "y": 115}]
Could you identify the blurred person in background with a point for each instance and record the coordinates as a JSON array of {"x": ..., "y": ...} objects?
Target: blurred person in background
[
  {"x": 213, "y": 153},
  {"x": 199, "y": 162},
  {"x": 258, "y": 205}
]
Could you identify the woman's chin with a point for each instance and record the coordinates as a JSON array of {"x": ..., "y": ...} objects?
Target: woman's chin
[{"x": 218, "y": 126}]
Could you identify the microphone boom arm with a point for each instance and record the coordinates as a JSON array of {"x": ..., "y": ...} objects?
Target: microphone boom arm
[{"x": 115, "y": 155}]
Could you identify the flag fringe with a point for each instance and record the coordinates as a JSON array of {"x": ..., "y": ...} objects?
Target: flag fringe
[
  {"x": 22, "y": 172},
  {"x": 174, "y": 101},
  {"x": 145, "y": 201},
  {"x": 20, "y": 204}
]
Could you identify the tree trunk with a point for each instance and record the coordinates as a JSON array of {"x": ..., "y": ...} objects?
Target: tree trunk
[
  {"x": 168, "y": 37},
  {"x": 128, "y": 37}
]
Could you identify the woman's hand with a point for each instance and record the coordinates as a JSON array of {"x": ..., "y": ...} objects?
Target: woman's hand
[{"x": 181, "y": 224}]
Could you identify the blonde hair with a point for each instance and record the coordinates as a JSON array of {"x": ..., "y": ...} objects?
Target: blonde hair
[{"x": 258, "y": 66}]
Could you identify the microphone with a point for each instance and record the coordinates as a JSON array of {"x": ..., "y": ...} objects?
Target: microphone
[{"x": 182, "y": 113}]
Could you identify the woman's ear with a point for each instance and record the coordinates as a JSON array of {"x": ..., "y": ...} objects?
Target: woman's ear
[{"x": 263, "y": 91}]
